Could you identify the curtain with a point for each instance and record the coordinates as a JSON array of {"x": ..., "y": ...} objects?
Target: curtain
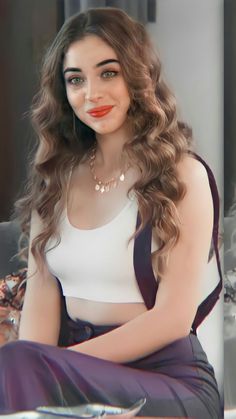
[
  {"x": 142, "y": 10},
  {"x": 27, "y": 27}
]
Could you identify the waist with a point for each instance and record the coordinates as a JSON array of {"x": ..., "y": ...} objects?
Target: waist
[
  {"x": 179, "y": 355},
  {"x": 102, "y": 313}
]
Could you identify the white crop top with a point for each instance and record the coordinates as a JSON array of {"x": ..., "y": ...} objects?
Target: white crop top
[{"x": 97, "y": 264}]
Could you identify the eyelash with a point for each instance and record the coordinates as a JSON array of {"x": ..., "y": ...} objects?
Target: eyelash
[{"x": 70, "y": 80}]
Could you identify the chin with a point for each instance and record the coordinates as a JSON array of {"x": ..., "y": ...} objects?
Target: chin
[{"x": 106, "y": 126}]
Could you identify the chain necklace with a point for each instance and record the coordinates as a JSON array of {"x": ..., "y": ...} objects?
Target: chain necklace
[{"x": 101, "y": 186}]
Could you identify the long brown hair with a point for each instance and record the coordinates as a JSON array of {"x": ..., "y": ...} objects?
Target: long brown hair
[{"x": 158, "y": 143}]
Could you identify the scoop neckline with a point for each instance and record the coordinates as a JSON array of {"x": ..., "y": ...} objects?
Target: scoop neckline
[{"x": 123, "y": 209}]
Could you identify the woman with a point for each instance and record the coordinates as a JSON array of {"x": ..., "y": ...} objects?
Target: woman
[{"x": 116, "y": 225}]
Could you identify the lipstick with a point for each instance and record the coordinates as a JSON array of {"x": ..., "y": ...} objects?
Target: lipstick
[{"x": 100, "y": 111}]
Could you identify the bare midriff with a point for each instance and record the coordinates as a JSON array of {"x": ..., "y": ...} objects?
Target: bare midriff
[{"x": 103, "y": 313}]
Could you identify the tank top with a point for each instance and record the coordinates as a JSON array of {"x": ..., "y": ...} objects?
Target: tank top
[{"x": 97, "y": 264}]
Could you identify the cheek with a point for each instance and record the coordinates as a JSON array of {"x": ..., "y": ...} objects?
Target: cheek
[
  {"x": 126, "y": 103},
  {"x": 75, "y": 99},
  {"x": 124, "y": 95}
]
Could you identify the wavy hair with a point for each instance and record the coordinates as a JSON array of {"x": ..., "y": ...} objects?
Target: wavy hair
[{"x": 158, "y": 143}]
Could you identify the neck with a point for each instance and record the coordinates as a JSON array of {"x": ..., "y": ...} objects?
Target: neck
[{"x": 109, "y": 154}]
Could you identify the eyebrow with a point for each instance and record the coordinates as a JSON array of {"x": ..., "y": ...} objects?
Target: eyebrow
[{"x": 100, "y": 64}]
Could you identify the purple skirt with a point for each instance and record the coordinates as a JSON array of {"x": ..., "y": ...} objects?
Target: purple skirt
[{"x": 176, "y": 381}]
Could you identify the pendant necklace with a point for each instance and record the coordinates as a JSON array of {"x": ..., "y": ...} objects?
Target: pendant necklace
[{"x": 101, "y": 186}]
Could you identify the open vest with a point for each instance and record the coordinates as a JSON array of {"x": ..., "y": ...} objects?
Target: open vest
[{"x": 143, "y": 267}]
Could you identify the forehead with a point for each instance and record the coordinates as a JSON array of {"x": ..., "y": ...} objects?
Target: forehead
[{"x": 91, "y": 49}]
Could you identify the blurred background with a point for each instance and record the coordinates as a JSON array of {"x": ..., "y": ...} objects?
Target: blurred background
[
  {"x": 189, "y": 36},
  {"x": 230, "y": 208}
]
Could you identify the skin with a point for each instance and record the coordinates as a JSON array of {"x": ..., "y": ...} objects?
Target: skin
[
  {"x": 180, "y": 289},
  {"x": 98, "y": 86}
]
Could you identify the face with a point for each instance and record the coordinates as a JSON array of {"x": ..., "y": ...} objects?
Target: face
[{"x": 95, "y": 87}]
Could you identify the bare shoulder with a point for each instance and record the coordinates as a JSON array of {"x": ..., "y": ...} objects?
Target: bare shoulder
[
  {"x": 198, "y": 198},
  {"x": 192, "y": 172}
]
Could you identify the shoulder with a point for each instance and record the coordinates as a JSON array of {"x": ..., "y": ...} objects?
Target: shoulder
[
  {"x": 197, "y": 202},
  {"x": 192, "y": 172},
  {"x": 36, "y": 224}
]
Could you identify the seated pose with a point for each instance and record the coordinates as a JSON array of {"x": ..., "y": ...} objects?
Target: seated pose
[{"x": 120, "y": 213}]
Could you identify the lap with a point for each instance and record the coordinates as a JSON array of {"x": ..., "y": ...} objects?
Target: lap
[{"x": 65, "y": 377}]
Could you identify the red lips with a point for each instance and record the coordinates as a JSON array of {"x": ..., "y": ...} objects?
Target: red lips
[{"x": 100, "y": 111}]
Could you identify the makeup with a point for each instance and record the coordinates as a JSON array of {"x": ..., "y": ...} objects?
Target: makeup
[{"x": 100, "y": 111}]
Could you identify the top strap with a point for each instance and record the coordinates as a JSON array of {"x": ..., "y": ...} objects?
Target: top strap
[
  {"x": 143, "y": 265},
  {"x": 207, "y": 305}
]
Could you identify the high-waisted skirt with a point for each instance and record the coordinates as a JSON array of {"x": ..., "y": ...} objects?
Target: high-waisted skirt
[{"x": 177, "y": 381}]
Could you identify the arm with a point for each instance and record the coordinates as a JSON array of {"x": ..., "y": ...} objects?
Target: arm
[
  {"x": 40, "y": 317},
  {"x": 180, "y": 288}
]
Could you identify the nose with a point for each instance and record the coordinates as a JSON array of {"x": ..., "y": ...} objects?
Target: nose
[{"x": 93, "y": 92}]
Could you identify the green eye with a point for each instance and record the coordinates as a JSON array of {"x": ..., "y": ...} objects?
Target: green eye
[
  {"x": 109, "y": 74},
  {"x": 75, "y": 80}
]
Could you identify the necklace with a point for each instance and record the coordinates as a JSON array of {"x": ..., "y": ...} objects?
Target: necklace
[{"x": 101, "y": 186}]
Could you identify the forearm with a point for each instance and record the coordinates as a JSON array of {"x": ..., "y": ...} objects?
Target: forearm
[
  {"x": 36, "y": 328},
  {"x": 40, "y": 319},
  {"x": 137, "y": 338}
]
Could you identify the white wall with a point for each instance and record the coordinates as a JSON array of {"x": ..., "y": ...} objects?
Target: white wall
[{"x": 188, "y": 35}]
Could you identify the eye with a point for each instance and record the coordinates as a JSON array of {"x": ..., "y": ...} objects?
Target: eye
[
  {"x": 75, "y": 80},
  {"x": 108, "y": 74}
]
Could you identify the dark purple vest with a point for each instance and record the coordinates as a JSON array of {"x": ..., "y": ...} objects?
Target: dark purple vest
[{"x": 143, "y": 267}]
